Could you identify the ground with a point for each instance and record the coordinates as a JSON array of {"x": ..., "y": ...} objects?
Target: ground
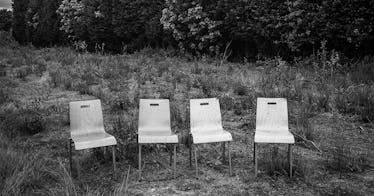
[{"x": 44, "y": 81}]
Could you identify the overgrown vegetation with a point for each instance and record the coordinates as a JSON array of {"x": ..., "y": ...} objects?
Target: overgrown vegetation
[
  {"x": 329, "y": 101},
  {"x": 251, "y": 29}
]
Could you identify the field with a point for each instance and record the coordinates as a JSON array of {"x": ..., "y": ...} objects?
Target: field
[{"x": 331, "y": 113}]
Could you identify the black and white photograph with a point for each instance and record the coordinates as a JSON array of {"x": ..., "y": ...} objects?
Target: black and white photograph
[{"x": 186, "y": 97}]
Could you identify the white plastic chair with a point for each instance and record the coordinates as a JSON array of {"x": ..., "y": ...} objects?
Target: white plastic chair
[
  {"x": 206, "y": 126},
  {"x": 154, "y": 126},
  {"x": 87, "y": 128},
  {"x": 272, "y": 126}
]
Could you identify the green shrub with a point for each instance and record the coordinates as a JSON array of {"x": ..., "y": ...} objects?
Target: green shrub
[
  {"x": 191, "y": 27},
  {"x": 27, "y": 121}
]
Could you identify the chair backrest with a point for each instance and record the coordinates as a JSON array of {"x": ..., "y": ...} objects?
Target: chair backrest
[
  {"x": 272, "y": 114},
  {"x": 154, "y": 116},
  {"x": 205, "y": 115},
  {"x": 86, "y": 117}
]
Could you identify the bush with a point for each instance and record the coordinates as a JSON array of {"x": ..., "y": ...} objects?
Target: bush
[
  {"x": 191, "y": 27},
  {"x": 22, "y": 122},
  {"x": 112, "y": 28}
]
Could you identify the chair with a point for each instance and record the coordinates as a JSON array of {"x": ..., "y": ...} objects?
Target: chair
[
  {"x": 154, "y": 127},
  {"x": 87, "y": 128},
  {"x": 206, "y": 126},
  {"x": 272, "y": 126}
]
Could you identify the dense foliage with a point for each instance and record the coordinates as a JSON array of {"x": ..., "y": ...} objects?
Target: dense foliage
[
  {"x": 279, "y": 27},
  {"x": 191, "y": 27},
  {"x": 5, "y": 20},
  {"x": 115, "y": 25},
  {"x": 36, "y": 22},
  {"x": 253, "y": 27}
]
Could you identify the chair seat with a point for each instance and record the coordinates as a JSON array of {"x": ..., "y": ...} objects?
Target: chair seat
[
  {"x": 93, "y": 140},
  {"x": 266, "y": 136},
  {"x": 211, "y": 136},
  {"x": 157, "y": 137}
]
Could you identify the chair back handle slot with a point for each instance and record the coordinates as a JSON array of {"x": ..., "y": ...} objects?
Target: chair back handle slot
[
  {"x": 204, "y": 103},
  {"x": 272, "y": 103},
  {"x": 154, "y": 104},
  {"x": 85, "y": 106}
]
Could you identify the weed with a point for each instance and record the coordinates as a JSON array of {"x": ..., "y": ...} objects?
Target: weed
[
  {"x": 196, "y": 69},
  {"x": 363, "y": 71},
  {"x": 275, "y": 161},
  {"x": 6, "y": 86},
  {"x": 125, "y": 128},
  {"x": 341, "y": 157},
  {"x": 302, "y": 122},
  {"x": 357, "y": 100},
  {"x": 162, "y": 68},
  {"x": 240, "y": 89},
  {"x": 120, "y": 102},
  {"x": 24, "y": 175},
  {"x": 23, "y": 121}
]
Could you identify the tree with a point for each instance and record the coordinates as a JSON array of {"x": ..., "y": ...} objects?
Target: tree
[
  {"x": 36, "y": 22},
  {"x": 5, "y": 20},
  {"x": 114, "y": 24},
  {"x": 19, "y": 25}
]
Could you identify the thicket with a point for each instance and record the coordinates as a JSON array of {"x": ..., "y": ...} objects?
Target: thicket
[
  {"x": 116, "y": 26},
  {"x": 36, "y": 22},
  {"x": 253, "y": 28},
  {"x": 5, "y": 20}
]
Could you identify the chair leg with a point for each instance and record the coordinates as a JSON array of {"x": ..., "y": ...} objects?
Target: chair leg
[
  {"x": 190, "y": 145},
  {"x": 254, "y": 154},
  {"x": 70, "y": 156},
  {"x": 140, "y": 161},
  {"x": 228, "y": 149},
  {"x": 290, "y": 158},
  {"x": 114, "y": 158},
  {"x": 175, "y": 160},
  {"x": 223, "y": 151},
  {"x": 195, "y": 148},
  {"x": 255, "y": 159},
  {"x": 170, "y": 154}
]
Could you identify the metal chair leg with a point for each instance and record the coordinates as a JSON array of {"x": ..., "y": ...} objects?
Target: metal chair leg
[
  {"x": 175, "y": 160},
  {"x": 170, "y": 154},
  {"x": 228, "y": 148},
  {"x": 70, "y": 157},
  {"x": 290, "y": 158},
  {"x": 140, "y": 161},
  {"x": 195, "y": 148},
  {"x": 223, "y": 152},
  {"x": 254, "y": 154},
  {"x": 114, "y": 158},
  {"x": 190, "y": 145},
  {"x": 255, "y": 159}
]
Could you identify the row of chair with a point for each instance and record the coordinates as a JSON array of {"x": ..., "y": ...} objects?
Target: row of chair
[{"x": 154, "y": 127}]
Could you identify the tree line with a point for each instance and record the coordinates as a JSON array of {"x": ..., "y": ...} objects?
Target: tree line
[{"x": 248, "y": 27}]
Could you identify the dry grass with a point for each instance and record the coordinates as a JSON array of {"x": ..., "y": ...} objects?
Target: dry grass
[{"x": 56, "y": 76}]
